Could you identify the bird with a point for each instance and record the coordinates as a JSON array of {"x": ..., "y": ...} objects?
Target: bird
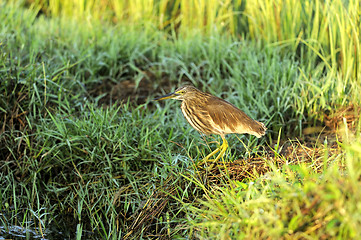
[{"x": 209, "y": 114}]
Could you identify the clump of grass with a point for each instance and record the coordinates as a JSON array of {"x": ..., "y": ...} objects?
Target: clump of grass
[{"x": 289, "y": 202}]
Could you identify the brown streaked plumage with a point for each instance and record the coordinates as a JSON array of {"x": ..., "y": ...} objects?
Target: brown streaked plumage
[{"x": 212, "y": 115}]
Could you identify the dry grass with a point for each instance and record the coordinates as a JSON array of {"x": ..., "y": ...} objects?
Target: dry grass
[
  {"x": 348, "y": 115},
  {"x": 146, "y": 220},
  {"x": 292, "y": 152}
]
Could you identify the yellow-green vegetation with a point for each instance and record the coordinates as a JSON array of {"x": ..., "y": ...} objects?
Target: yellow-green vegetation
[{"x": 85, "y": 153}]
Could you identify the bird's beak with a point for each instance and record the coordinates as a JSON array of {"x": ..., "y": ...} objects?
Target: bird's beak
[{"x": 167, "y": 96}]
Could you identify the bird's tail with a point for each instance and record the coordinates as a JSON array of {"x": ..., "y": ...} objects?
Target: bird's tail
[{"x": 260, "y": 130}]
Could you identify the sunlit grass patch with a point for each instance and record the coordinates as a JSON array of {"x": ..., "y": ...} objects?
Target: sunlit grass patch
[{"x": 310, "y": 199}]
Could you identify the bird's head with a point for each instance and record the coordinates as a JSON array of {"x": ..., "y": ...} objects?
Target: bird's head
[{"x": 181, "y": 93}]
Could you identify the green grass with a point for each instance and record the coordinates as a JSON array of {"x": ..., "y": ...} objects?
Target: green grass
[
  {"x": 295, "y": 202},
  {"x": 78, "y": 159}
]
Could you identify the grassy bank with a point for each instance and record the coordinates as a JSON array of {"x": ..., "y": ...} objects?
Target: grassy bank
[{"x": 85, "y": 152}]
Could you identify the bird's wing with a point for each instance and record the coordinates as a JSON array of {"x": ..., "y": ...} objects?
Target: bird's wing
[{"x": 228, "y": 117}]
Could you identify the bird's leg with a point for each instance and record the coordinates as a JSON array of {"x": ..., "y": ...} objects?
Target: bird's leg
[
  {"x": 206, "y": 159},
  {"x": 222, "y": 148},
  {"x": 210, "y": 155}
]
